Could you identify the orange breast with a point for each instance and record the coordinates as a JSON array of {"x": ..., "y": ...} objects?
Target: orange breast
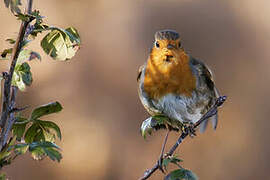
[{"x": 161, "y": 79}]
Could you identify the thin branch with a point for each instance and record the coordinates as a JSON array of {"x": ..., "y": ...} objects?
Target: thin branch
[
  {"x": 162, "y": 151},
  {"x": 7, "y": 100},
  {"x": 11, "y": 117},
  {"x": 212, "y": 111}
]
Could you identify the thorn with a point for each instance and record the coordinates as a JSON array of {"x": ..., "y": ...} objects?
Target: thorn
[{"x": 18, "y": 109}]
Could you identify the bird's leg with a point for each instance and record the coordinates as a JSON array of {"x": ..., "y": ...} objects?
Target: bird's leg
[{"x": 160, "y": 160}]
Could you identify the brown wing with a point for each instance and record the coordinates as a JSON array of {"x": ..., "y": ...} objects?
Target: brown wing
[
  {"x": 206, "y": 76},
  {"x": 140, "y": 72}
]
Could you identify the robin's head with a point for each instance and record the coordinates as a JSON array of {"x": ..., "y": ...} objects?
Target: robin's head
[{"x": 167, "y": 48}]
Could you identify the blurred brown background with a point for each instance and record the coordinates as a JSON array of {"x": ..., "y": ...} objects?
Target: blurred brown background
[{"x": 102, "y": 112}]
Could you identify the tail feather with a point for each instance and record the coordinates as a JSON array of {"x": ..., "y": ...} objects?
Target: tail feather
[
  {"x": 203, "y": 126},
  {"x": 214, "y": 120}
]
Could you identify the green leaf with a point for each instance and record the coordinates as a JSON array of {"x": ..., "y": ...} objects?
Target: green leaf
[
  {"x": 3, "y": 156},
  {"x": 31, "y": 133},
  {"x": 27, "y": 55},
  {"x": 11, "y": 41},
  {"x": 45, "y": 110},
  {"x": 39, "y": 136},
  {"x": 17, "y": 81},
  {"x": 21, "y": 148},
  {"x": 44, "y": 144},
  {"x": 5, "y": 153},
  {"x": 165, "y": 163},
  {"x": 53, "y": 154},
  {"x": 42, "y": 131},
  {"x": 161, "y": 120},
  {"x": 13, "y": 5},
  {"x": 45, "y": 131},
  {"x": 146, "y": 126},
  {"x": 41, "y": 149},
  {"x": 22, "y": 76},
  {"x": 171, "y": 159},
  {"x": 38, "y": 153},
  {"x": 26, "y": 74},
  {"x": 181, "y": 174},
  {"x": 2, "y": 176},
  {"x": 175, "y": 160},
  {"x": 5, "y": 53},
  {"x": 38, "y": 26},
  {"x": 73, "y": 35},
  {"x": 51, "y": 126},
  {"x": 5, "y": 162},
  {"x": 48, "y": 136},
  {"x": 24, "y": 17},
  {"x": 37, "y": 16},
  {"x": 61, "y": 44},
  {"x": 18, "y": 129}
]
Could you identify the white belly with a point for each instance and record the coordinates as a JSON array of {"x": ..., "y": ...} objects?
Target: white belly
[{"x": 182, "y": 108}]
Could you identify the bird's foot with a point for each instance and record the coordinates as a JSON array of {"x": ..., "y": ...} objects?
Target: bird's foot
[
  {"x": 190, "y": 130},
  {"x": 221, "y": 100}
]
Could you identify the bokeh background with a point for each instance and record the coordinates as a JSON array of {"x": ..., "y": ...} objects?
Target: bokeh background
[{"x": 102, "y": 112}]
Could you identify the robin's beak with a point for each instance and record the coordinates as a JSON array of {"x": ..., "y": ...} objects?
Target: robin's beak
[
  {"x": 169, "y": 55},
  {"x": 168, "y": 58}
]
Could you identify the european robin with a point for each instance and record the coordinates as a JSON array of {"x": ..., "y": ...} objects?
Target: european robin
[{"x": 174, "y": 84}]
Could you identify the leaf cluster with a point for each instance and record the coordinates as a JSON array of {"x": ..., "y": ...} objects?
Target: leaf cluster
[
  {"x": 180, "y": 173},
  {"x": 60, "y": 44},
  {"x": 34, "y": 135}
]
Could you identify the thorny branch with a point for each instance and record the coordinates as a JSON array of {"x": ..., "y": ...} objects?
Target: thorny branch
[
  {"x": 212, "y": 111},
  {"x": 9, "y": 94}
]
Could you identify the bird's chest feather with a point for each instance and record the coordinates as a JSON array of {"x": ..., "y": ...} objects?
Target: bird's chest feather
[{"x": 161, "y": 79}]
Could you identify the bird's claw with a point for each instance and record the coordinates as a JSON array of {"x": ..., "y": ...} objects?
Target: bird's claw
[
  {"x": 221, "y": 100},
  {"x": 190, "y": 130}
]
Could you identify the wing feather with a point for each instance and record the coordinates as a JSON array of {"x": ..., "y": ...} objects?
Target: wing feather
[{"x": 206, "y": 76}]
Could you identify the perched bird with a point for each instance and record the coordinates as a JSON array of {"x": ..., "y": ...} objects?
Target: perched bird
[{"x": 174, "y": 84}]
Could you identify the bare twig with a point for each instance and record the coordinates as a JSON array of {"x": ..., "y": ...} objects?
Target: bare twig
[
  {"x": 8, "y": 101},
  {"x": 162, "y": 151},
  {"x": 212, "y": 111}
]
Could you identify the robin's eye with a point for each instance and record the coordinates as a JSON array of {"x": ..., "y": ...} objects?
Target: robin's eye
[
  {"x": 179, "y": 45},
  {"x": 157, "y": 44}
]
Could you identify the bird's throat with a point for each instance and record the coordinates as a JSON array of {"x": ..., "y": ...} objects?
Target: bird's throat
[{"x": 161, "y": 78}]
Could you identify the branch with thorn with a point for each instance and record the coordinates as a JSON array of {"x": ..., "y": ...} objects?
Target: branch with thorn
[
  {"x": 211, "y": 112},
  {"x": 9, "y": 94}
]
